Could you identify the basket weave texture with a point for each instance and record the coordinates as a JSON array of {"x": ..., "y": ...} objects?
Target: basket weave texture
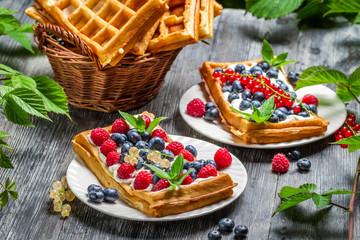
[{"x": 132, "y": 83}]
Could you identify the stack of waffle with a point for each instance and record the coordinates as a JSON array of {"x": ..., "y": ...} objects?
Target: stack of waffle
[{"x": 114, "y": 28}]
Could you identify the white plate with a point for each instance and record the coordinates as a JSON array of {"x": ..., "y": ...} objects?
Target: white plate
[
  {"x": 330, "y": 107},
  {"x": 79, "y": 177}
]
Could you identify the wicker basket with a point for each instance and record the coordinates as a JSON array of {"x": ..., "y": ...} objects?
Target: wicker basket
[{"x": 132, "y": 83}]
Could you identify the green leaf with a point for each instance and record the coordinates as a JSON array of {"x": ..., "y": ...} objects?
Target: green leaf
[
  {"x": 289, "y": 191},
  {"x": 13, "y": 194},
  {"x": 3, "y": 135},
  {"x": 5, "y": 160},
  {"x": 14, "y": 113},
  {"x": 310, "y": 187},
  {"x": 283, "y": 63},
  {"x": 12, "y": 186},
  {"x": 52, "y": 94},
  {"x": 345, "y": 6},
  {"x": 281, "y": 57},
  {"x": 181, "y": 178},
  {"x": 160, "y": 173},
  {"x": 271, "y": 8},
  {"x": 357, "y": 18},
  {"x": 129, "y": 118},
  {"x": 353, "y": 142},
  {"x": 4, "y": 11},
  {"x": 320, "y": 75},
  {"x": 3, "y": 199},
  {"x": 5, "y": 89},
  {"x": 177, "y": 167},
  {"x": 336, "y": 191},
  {"x": 27, "y": 27},
  {"x": 19, "y": 81},
  {"x": 354, "y": 79},
  {"x": 292, "y": 201},
  {"x": 9, "y": 23},
  {"x": 267, "y": 108},
  {"x": 267, "y": 52},
  {"x": 154, "y": 123},
  {"x": 248, "y": 115},
  {"x": 141, "y": 124},
  {"x": 315, "y": 8},
  {"x": 21, "y": 38},
  {"x": 7, "y": 183},
  {"x": 7, "y": 70},
  {"x": 321, "y": 201},
  {"x": 4, "y": 144}
]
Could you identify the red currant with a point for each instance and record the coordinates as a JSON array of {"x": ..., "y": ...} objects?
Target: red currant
[
  {"x": 255, "y": 89},
  {"x": 243, "y": 80},
  {"x": 267, "y": 96},
  {"x": 223, "y": 78},
  {"x": 280, "y": 104},
  {"x": 267, "y": 91},
  {"x": 348, "y": 133},
  {"x": 338, "y": 132},
  {"x": 344, "y": 145},
  {"x": 339, "y": 137},
  {"x": 297, "y": 109},
  {"x": 216, "y": 74},
  {"x": 229, "y": 71},
  {"x": 350, "y": 121},
  {"x": 351, "y": 115},
  {"x": 356, "y": 127},
  {"x": 231, "y": 78},
  {"x": 267, "y": 80},
  {"x": 249, "y": 85},
  {"x": 343, "y": 129},
  {"x": 289, "y": 103}
]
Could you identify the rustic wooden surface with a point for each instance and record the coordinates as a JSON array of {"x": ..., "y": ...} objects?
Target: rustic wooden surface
[{"x": 42, "y": 154}]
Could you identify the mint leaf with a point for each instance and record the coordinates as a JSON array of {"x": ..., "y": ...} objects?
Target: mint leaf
[
  {"x": 5, "y": 160},
  {"x": 141, "y": 124},
  {"x": 289, "y": 191},
  {"x": 310, "y": 187},
  {"x": 267, "y": 108},
  {"x": 3, "y": 199},
  {"x": 14, "y": 113},
  {"x": 345, "y": 6},
  {"x": 281, "y": 57},
  {"x": 154, "y": 123},
  {"x": 52, "y": 94},
  {"x": 353, "y": 142},
  {"x": 181, "y": 178},
  {"x": 283, "y": 63},
  {"x": 321, "y": 201},
  {"x": 256, "y": 115},
  {"x": 292, "y": 201},
  {"x": 267, "y": 52},
  {"x": 177, "y": 167},
  {"x": 129, "y": 118},
  {"x": 336, "y": 191},
  {"x": 248, "y": 115},
  {"x": 271, "y": 8},
  {"x": 160, "y": 173}
]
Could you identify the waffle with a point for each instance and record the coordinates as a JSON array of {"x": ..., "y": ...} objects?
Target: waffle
[
  {"x": 206, "y": 19},
  {"x": 217, "y": 9},
  {"x": 179, "y": 26},
  {"x": 251, "y": 132},
  {"x": 156, "y": 204},
  {"x": 109, "y": 27}
]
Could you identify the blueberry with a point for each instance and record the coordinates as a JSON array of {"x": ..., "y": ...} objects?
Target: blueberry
[
  {"x": 155, "y": 179},
  {"x": 122, "y": 158},
  {"x": 284, "y": 87},
  {"x": 246, "y": 72},
  {"x": 279, "y": 82},
  {"x": 304, "y": 164},
  {"x": 257, "y": 73},
  {"x": 145, "y": 136},
  {"x": 239, "y": 68},
  {"x": 94, "y": 188},
  {"x": 232, "y": 96},
  {"x": 219, "y": 69},
  {"x": 293, "y": 77},
  {"x": 209, "y": 105},
  {"x": 118, "y": 138},
  {"x": 255, "y": 69},
  {"x": 241, "y": 231},
  {"x": 226, "y": 224},
  {"x": 143, "y": 153},
  {"x": 293, "y": 155},
  {"x": 274, "y": 69},
  {"x": 274, "y": 118},
  {"x": 228, "y": 83},
  {"x": 191, "y": 149},
  {"x": 313, "y": 108},
  {"x": 292, "y": 95},
  {"x": 258, "y": 96},
  {"x": 256, "y": 103},
  {"x": 157, "y": 143},
  {"x": 272, "y": 73},
  {"x": 251, "y": 120},
  {"x": 133, "y": 136},
  {"x": 126, "y": 147},
  {"x": 284, "y": 110},
  {"x": 304, "y": 114},
  {"x": 237, "y": 86},
  {"x": 305, "y": 106},
  {"x": 214, "y": 235},
  {"x": 211, "y": 114},
  {"x": 264, "y": 65},
  {"x": 291, "y": 112},
  {"x": 196, "y": 165},
  {"x": 211, "y": 162},
  {"x": 202, "y": 162},
  {"x": 111, "y": 194},
  {"x": 186, "y": 165},
  {"x": 139, "y": 163},
  {"x": 226, "y": 89},
  {"x": 96, "y": 197},
  {"x": 193, "y": 174},
  {"x": 282, "y": 116},
  {"x": 141, "y": 145},
  {"x": 246, "y": 94},
  {"x": 245, "y": 104},
  {"x": 167, "y": 154},
  {"x": 156, "y": 165}
]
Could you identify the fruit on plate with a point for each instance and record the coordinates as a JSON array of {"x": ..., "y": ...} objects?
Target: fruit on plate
[
  {"x": 258, "y": 104},
  {"x": 153, "y": 174}
]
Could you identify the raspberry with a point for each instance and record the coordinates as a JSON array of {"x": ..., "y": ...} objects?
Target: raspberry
[
  {"x": 175, "y": 147},
  {"x": 147, "y": 119},
  {"x": 108, "y": 146},
  {"x": 125, "y": 170},
  {"x": 187, "y": 180},
  {"x": 280, "y": 163},
  {"x": 160, "y": 185},
  {"x": 142, "y": 180},
  {"x": 159, "y": 133},
  {"x": 112, "y": 158},
  {"x": 187, "y": 155},
  {"x": 120, "y": 126},
  {"x": 222, "y": 158},
  {"x": 310, "y": 99},
  {"x": 196, "y": 108},
  {"x": 99, "y": 136},
  {"x": 207, "y": 171}
]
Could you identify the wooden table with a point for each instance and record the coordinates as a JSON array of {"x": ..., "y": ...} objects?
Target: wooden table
[{"x": 42, "y": 154}]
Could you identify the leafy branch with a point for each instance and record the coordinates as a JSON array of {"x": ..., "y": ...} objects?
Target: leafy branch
[{"x": 268, "y": 56}]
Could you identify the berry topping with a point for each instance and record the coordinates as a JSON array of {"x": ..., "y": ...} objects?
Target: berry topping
[
  {"x": 99, "y": 136},
  {"x": 157, "y": 143},
  {"x": 280, "y": 163},
  {"x": 112, "y": 158},
  {"x": 159, "y": 133},
  {"x": 188, "y": 180},
  {"x": 142, "y": 180},
  {"x": 107, "y": 147},
  {"x": 310, "y": 99},
  {"x": 222, "y": 158},
  {"x": 207, "y": 171},
  {"x": 120, "y": 126},
  {"x": 226, "y": 224},
  {"x": 147, "y": 119},
  {"x": 304, "y": 164},
  {"x": 196, "y": 107},
  {"x": 160, "y": 185},
  {"x": 111, "y": 194},
  {"x": 125, "y": 171},
  {"x": 175, "y": 147},
  {"x": 187, "y": 155}
]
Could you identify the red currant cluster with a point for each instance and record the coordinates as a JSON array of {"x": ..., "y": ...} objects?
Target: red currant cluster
[
  {"x": 349, "y": 129},
  {"x": 258, "y": 84}
]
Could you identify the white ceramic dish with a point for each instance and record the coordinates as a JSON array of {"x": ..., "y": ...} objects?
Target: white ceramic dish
[
  {"x": 330, "y": 107},
  {"x": 79, "y": 177}
]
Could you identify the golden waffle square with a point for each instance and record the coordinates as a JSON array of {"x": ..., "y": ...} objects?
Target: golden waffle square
[
  {"x": 206, "y": 19},
  {"x": 110, "y": 28},
  {"x": 251, "y": 132},
  {"x": 178, "y": 27},
  {"x": 217, "y": 9},
  {"x": 156, "y": 204}
]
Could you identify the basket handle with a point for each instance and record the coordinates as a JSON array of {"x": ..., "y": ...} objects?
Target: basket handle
[{"x": 42, "y": 29}]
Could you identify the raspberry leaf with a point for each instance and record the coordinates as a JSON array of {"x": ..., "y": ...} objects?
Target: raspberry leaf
[
  {"x": 321, "y": 201},
  {"x": 292, "y": 201},
  {"x": 3, "y": 199},
  {"x": 345, "y": 6},
  {"x": 309, "y": 187},
  {"x": 271, "y": 8},
  {"x": 353, "y": 142},
  {"x": 5, "y": 160},
  {"x": 336, "y": 191},
  {"x": 154, "y": 123},
  {"x": 7, "y": 70},
  {"x": 287, "y": 191}
]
